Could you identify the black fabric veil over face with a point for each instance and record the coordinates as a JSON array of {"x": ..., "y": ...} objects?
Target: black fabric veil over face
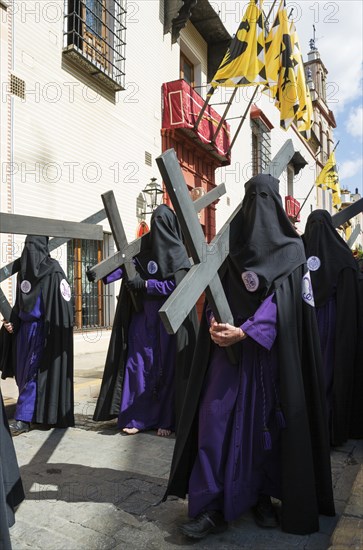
[
  {"x": 33, "y": 259},
  {"x": 35, "y": 265},
  {"x": 264, "y": 246},
  {"x": 322, "y": 241},
  {"x": 166, "y": 253}
]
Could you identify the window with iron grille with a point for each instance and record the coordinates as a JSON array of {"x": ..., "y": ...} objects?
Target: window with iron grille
[
  {"x": 91, "y": 300},
  {"x": 261, "y": 146},
  {"x": 94, "y": 38}
]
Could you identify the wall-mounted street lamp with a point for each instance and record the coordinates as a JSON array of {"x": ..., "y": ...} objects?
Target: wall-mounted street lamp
[
  {"x": 154, "y": 195},
  {"x": 148, "y": 199}
]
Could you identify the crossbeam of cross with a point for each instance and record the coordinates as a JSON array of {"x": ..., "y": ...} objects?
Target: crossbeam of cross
[
  {"x": 30, "y": 225},
  {"x": 347, "y": 213},
  {"x": 13, "y": 267},
  {"x": 125, "y": 255},
  {"x": 208, "y": 258},
  {"x": 66, "y": 230}
]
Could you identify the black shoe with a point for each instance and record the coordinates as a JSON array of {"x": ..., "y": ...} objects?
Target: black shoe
[
  {"x": 18, "y": 427},
  {"x": 205, "y": 523},
  {"x": 264, "y": 513}
]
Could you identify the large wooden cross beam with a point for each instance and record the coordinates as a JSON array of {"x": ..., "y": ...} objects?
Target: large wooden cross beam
[
  {"x": 208, "y": 258},
  {"x": 125, "y": 255},
  {"x": 280, "y": 161},
  {"x": 30, "y": 225},
  {"x": 347, "y": 213},
  {"x": 13, "y": 267},
  {"x": 207, "y": 277},
  {"x": 354, "y": 235},
  {"x": 68, "y": 230}
]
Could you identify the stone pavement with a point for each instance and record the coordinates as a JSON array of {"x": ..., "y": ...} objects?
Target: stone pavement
[{"x": 90, "y": 487}]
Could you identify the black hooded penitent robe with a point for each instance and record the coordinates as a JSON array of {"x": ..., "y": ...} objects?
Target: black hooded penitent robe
[
  {"x": 267, "y": 259},
  {"x": 162, "y": 258},
  {"x": 42, "y": 287},
  {"x": 334, "y": 276},
  {"x": 11, "y": 488}
]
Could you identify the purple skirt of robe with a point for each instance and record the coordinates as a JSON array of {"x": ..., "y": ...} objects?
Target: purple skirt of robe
[
  {"x": 148, "y": 390},
  {"x": 30, "y": 346},
  {"x": 233, "y": 466}
]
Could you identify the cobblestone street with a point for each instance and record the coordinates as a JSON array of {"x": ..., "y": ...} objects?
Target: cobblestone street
[{"x": 91, "y": 488}]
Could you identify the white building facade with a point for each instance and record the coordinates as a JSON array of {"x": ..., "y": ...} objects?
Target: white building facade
[{"x": 81, "y": 114}]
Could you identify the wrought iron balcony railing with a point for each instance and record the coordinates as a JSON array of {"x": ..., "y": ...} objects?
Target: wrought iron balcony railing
[{"x": 94, "y": 38}]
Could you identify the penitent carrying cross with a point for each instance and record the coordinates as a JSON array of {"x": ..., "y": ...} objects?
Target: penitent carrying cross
[
  {"x": 208, "y": 258},
  {"x": 127, "y": 251},
  {"x": 120, "y": 238}
]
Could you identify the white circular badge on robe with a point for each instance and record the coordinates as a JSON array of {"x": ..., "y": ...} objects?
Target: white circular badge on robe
[
  {"x": 313, "y": 263},
  {"x": 251, "y": 280},
  {"x": 65, "y": 290},
  {"x": 152, "y": 267},
  {"x": 25, "y": 286},
  {"x": 307, "y": 290}
]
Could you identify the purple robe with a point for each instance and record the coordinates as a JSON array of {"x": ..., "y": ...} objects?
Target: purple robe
[
  {"x": 148, "y": 387},
  {"x": 30, "y": 346},
  {"x": 239, "y": 424}
]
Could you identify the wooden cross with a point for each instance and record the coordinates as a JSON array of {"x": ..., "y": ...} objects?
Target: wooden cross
[
  {"x": 28, "y": 225},
  {"x": 125, "y": 255},
  {"x": 208, "y": 258}
]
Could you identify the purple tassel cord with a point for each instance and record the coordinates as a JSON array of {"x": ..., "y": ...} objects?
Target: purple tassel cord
[{"x": 267, "y": 442}]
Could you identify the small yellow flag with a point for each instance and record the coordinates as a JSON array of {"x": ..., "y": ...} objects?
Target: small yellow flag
[
  {"x": 286, "y": 74},
  {"x": 244, "y": 61},
  {"x": 329, "y": 179},
  {"x": 304, "y": 115}
]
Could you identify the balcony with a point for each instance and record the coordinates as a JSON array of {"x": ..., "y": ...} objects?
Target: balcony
[{"x": 181, "y": 107}]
